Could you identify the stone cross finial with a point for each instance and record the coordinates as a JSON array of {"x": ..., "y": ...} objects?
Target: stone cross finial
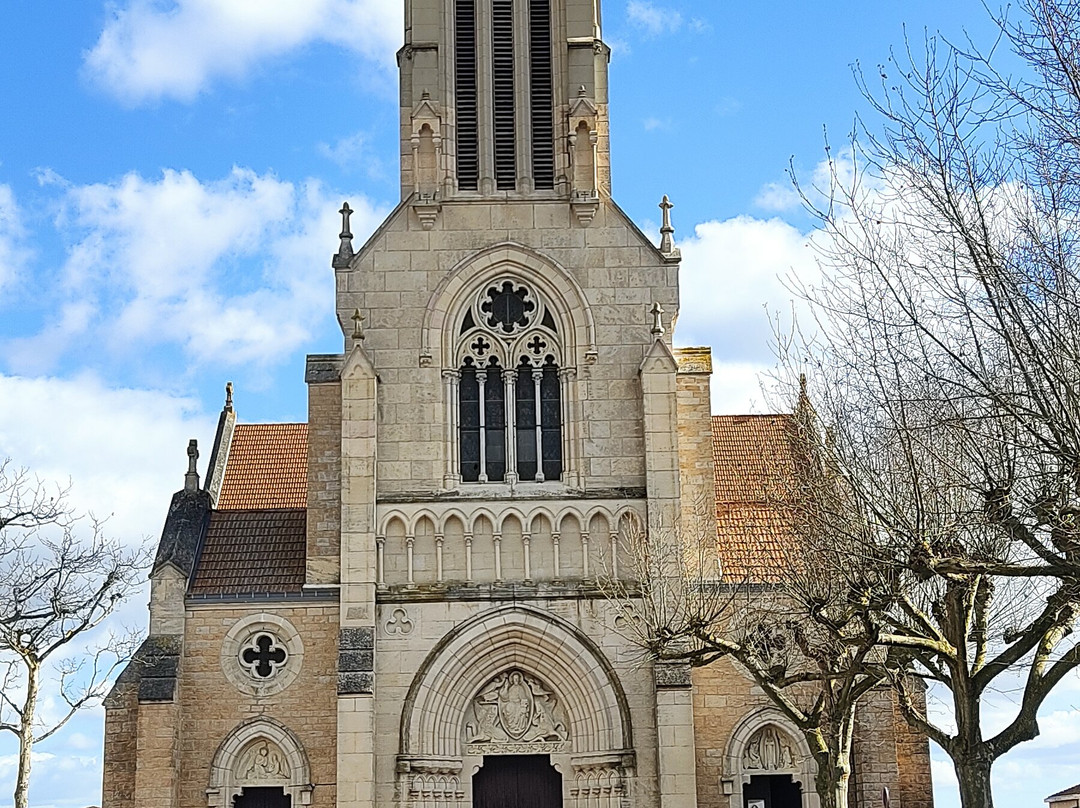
[
  {"x": 345, "y": 251},
  {"x": 228, "y": 397},
  {"x": 667, "y": 243},
  {"x": 658, "y": 320},
  {"x": 191, "y": 479},
  {"x": 358, "y": 325}
]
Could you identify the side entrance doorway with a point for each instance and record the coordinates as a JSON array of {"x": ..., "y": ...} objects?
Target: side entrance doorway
[
  {"x": 772, "y": 791},
  {"x": 263, "y": 798},
  {"x": 517, "y": 781}
]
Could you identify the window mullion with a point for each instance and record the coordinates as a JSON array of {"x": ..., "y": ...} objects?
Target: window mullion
[
  {"x": 510, "y": 380},
  {"x": 481, "y": 379},
  {"x": 538, "y": 375}
]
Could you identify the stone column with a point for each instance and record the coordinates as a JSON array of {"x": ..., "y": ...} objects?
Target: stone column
[{"x": 356, "y": 649}]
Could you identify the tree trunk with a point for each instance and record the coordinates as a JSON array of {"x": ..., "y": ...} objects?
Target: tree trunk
[
  {"x": 26, "y": 738},
  {"x": 973, "y": 776},
  {"x": 832, "y": 788}
]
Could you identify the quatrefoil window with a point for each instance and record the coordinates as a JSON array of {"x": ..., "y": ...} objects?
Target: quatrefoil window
[
  {"x": 508, "y": 307},
  {"x": 263, "y": 656}
]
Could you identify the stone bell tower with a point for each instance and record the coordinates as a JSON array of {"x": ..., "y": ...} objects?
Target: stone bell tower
[
  {"x": 506, "y": 408},
  {"x": 503, "y": 99}
]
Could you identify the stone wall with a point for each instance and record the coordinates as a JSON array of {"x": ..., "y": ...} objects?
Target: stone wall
[
  {"x": 121, "y": 746},
  {"x": 212, "y": 707},
  {"x": 324, "y": 483},
  {"x": 410, "y": 631},
  {"x": 617, "y": 272},
  {"x": 887, "y": 754}
]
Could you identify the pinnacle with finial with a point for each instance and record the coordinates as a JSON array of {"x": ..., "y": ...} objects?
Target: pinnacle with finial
[
  {"x": 667, "y": 242},
  {"x": 191, "y": 479},
  {"x": 658, "y": 320},
  {"x": 358, "y": 325},
  {"x": 346, "y": 214},
  {"x": 345, "y": 251},
  {"x": 228, "y": 396}
]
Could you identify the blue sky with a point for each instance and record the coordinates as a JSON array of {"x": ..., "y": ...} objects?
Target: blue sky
[{"x": 170, "y": 172}]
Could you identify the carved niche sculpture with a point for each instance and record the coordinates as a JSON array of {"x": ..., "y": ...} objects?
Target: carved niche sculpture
[
  {"x": 515, "y": 713},
  {"x": 262, "y": 761},
  {"x": 768, "y": 750}
]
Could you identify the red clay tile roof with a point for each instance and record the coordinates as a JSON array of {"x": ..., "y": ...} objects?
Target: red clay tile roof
[
  {"x": 751, "y": 455},
  {"x": 252, "y": 552},
  {"x": 266, "y": 468}
]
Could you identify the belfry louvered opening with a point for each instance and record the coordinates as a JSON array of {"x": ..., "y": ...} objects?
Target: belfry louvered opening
[
  {"x": 502, "y": 90},
  {"x": 465, "y": 88},
  {"x": 540, "y": 88}
]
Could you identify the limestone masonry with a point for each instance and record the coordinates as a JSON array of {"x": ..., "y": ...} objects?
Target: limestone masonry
[{"x": 396, "y": 604}]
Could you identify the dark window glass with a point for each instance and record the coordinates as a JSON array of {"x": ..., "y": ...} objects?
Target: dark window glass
[
  {"x": 525, "y": 413},
  {"x": 467, "y": 323},
  {"x": 495, "y": 424},
  {"x": 549, "y": 322},
  {"x": 508, "y": 307},
  {"x": 551, "y": 419},
  {"x": 469, "y": 429}
]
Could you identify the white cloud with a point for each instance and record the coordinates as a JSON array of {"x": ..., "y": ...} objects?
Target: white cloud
[
  {"x": 122, "y": 450},
  {"x": 151, "y": 49},
  {"x": 653, "y": 19},
  {"x": 777, "y": 197},
  {"x": 13, "y": 252},
  {"x": 234, "y": 271},
  {"x": 732, "y": 281},
  {"x": 347, "y": 151}
]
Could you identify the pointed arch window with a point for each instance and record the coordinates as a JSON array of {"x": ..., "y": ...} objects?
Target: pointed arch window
[{"x": 509, "y": 389}]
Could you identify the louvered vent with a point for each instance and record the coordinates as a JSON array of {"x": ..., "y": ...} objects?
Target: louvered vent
[
  {"x": 543, "y": 113},
  {"x": 468, "y": 153},
  {"x": 502, "y": 85}
]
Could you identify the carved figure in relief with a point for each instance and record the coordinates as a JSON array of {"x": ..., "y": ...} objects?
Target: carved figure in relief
[
  {"x": 514, "y": 708},
  {"x": 768, "y": 750},
  {"x": 263, "y": 762}
]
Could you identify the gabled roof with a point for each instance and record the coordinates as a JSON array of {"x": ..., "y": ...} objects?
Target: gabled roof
[
  {"x": 1072, "y": 791},
  {"x": 266, "y": 468},
  {"x": 251, "y": 553},
  {"x": 750, "y": 454},
  {"x": 256, "y": 538}
]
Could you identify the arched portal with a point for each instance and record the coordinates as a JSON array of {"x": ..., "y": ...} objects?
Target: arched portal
[
  {"x": 521, "y": 684},
  {"x": 260, "y": 765},
  {"x": 769, "y": 763}
]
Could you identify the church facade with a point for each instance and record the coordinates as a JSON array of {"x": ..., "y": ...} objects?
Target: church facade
[{"x": 397, "y": 603}]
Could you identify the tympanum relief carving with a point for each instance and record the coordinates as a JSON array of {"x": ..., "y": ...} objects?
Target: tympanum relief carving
[
  {"x": 515, "y": 713},
  {"x": 263, "y": 761},
  {"x": 768, "y": 749}
]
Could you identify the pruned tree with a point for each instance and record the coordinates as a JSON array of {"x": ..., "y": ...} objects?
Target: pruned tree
[
  {"x": 60, "y": 579},
  {"x": 794, "y": 624},
  {"x": 945, "y": 366}
]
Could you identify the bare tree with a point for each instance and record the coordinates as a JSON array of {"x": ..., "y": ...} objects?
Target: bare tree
[
  {"x": 795, "y": 624},
  {"x": 60, "y": 578},
  {"x": 945, "y": 365}
]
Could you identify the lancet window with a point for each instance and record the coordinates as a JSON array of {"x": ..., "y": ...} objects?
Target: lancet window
[
  {"x": 512, "y": 64},
  {"x": 509, "y": 388}
]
